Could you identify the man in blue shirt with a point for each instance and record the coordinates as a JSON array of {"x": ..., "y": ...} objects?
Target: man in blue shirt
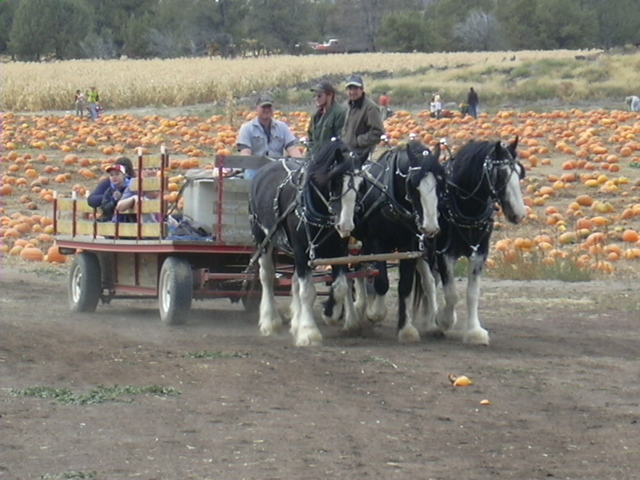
[{"x": 265, "y": 136}]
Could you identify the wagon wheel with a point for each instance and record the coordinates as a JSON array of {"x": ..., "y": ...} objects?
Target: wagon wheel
[
  {"x": 85, "y": 283},
  {"x": 251, "y": 293},
  {"x": 175, "y": 291}
]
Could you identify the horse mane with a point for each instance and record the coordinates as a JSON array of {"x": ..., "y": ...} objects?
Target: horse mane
[
  {"x": 327, "y": 163},
  {"x": 467, "y": 164}
]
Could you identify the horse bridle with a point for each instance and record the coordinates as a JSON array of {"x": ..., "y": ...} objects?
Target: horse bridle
[
  {"x": 324, "y": 223},
  {"x": 329, "y": 220},
  {"x": 492, "y": 171}
]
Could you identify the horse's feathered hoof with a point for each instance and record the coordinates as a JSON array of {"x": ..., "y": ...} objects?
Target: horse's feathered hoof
[
  {"x": 330, "y": 321},
  {"x": 273, "y": 328},
  {"x": 478, "y": 336},
  {"x": 409, "y": 334},
  {"x": 377, "y": 309},
  {"x": 308, "y": 337}
]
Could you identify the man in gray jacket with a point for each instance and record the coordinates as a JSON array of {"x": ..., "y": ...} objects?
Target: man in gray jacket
[{"x": 363, "y": 125}]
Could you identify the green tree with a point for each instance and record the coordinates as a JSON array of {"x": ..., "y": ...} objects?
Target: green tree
[
  {"x": 279, "y": 24},
  {"x": 325, "y": 24},
  {"x": 136, "y": 37},
  {"x": 114, "y": 16},
  {"x": 618, "y": 21},
  {"x": 405, "y": 32},
  {"x": 71, "y": 20},
  {"x": 31, "y": 32},
  {"x": 7, "y": 12},
  {"x": 446, "y": 14},
  {"x": 516, "y": 20},
  {"x": 565, "y": 24}
]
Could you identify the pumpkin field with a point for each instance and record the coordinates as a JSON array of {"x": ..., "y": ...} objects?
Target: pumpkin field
[{"x": 582, "y": 188}]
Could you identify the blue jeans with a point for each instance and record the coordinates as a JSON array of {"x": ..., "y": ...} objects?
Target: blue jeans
[
  {"x": 249, "y": 174},
  {"x": 93, "y": 111},
  {"x": 473, "y": 110}
]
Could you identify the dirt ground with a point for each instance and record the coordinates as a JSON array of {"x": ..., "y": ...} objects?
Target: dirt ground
[{"x": 562, "y": 375}]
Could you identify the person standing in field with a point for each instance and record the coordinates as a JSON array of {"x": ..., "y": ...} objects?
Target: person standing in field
[
  {"x": 363, "y": 125},
  {"x": 436, "y": 105},
  {"x": 79, "y": 102},
  {"x": 383, "y": 101},
  {"x": 264, "y": 136},
  {"x": 329, "y": 118},
  {"x": 93, "y": 98},
  {"x": 473, "y": 101},
  {"x": 633, "y": 102}
]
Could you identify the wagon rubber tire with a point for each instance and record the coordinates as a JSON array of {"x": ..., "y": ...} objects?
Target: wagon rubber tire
[
  {"x": 175, "y": 291},
  {"x": 85, "y": 283}
]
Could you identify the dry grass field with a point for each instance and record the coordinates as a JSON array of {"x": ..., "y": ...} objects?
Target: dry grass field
[{"x": 35, "y": 87}]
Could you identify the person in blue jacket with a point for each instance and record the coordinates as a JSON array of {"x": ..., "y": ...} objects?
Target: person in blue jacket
[
  {"x": 95, "y": 197},
  {"x": 118, "y": 185}
]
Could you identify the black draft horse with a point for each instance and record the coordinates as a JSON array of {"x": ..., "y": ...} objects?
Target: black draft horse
[
  {"x": 398, "y": 210},
  {"x": 305, "y": 211},
  {"x": 480, "y": 175}
]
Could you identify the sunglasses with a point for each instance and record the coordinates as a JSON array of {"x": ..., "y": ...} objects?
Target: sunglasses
[{"x": 266, "y": 107}]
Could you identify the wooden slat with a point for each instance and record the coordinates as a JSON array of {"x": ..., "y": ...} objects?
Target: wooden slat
[
  {"x": 108, "y": 229},
  {"x": 129, "y": 229},
  {"x": 149, "y": 184},
  {"x": 149, "y": 162},
  {"x": 64, "y": 227},
  {"x": 66, "y": 205},
  {"x": 148, "y": 206}
]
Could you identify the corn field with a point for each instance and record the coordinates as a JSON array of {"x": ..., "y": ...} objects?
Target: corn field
[{"x": 34, "y": 87}]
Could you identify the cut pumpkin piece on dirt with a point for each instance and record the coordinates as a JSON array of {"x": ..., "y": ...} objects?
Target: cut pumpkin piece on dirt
[{"x": 459, "y": 381}]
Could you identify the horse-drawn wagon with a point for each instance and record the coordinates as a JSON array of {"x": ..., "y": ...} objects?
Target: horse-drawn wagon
[
  {"x": 204, "y": 253},
  {"x": 304, "y": 211}
]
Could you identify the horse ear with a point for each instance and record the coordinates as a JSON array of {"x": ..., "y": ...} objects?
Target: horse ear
[
  {"x": 436, "y": 151},
  {"x": 513, "y": 145}
]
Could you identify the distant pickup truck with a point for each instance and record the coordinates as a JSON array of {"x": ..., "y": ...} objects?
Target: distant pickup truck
[{"x": 333, "y": 45}]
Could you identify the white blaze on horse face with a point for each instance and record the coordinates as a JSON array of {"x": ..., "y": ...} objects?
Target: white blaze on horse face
[
  {"x": 429, "y": 202},
  {"x": 348, "y": 205},
  {"x": 513, "y": 204}
]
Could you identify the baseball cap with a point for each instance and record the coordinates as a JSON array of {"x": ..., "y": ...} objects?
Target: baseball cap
[
  {"x": 355, "y": 80},
  {"x": 324, "y": 86},
  {"x": 264, "y": 99},
  {"x": 117, "y": 167}
]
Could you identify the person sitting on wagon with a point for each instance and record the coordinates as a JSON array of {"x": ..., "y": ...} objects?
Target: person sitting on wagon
[
  {"x": 129, "y": 201},
  {"x": 264, "y": 136},
  {"x": 118, "y": 183},
  {"x": 96, "y": 196}
]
